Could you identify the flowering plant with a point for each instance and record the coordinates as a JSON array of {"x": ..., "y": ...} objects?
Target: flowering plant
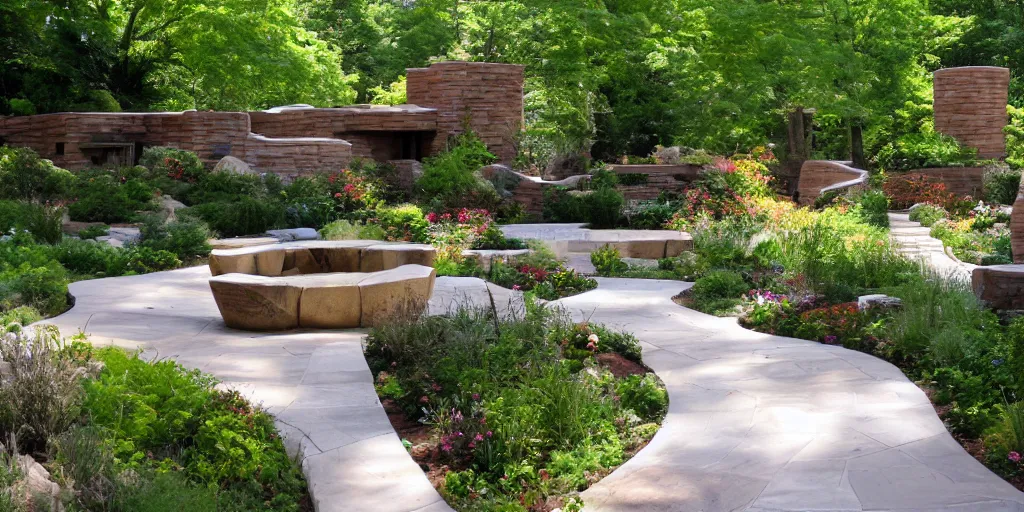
[
  {"x": 352, "y": 191},
  {"x": 456, "y": 231}
]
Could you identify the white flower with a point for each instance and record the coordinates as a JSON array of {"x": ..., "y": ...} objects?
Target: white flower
[{"x": 592, "y": 338}]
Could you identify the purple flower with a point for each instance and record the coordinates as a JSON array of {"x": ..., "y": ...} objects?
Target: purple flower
[
  {"x": 1014, "y": 456},
  {"x": 830, "y": 339}
]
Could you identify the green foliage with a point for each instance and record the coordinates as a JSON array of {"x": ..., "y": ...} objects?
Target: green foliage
[
  {"x": 43, "y": 222},
  {"x": 452, "y": 178},
  {"x": 93, "y": 232},
  {"x": 402, "y": 223},
  {"x": 928, "y": 214},
  {"x": 1001, "y": 184},
  {"x": 508, "y": 400},
  {"x": 246, "y": 216},
  {"x": 173, "y": 163},
  {"x": 160, "y": 414},
  {"x": 393, "y": 95},
  {"x": 644, "y": 395},
  {"x": 601, "y": 208},
  {"x": 186, "y": 239},
  {"x": 103, "y": 196},
  {"x": 345, "y": 230},
  {"x": 873, "y": 208},
  {"x": 923, "y": 150},
  {"x": 605, "y": 208},
  {"x": 607, "y": 261},
  {"x": 718, "y": 291},
  {"x": 25, "y": 176},
  {"x": 650, "y": 214}
]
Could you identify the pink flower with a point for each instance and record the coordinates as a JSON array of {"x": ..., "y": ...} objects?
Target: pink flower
[
  {"x": 337, "y": 194},
  {"x": 1014, "y": 456},
  {"x": 471, "y": 445},
  {"x": 424, "y": 399},
  {"x": 435, "y": 386},
  {"x": 432, "y": 217},
  {"x": 489, "y": 433},
  {"x": 516, "y": 287},
  {"x": 476, "y": 396},
  {"x": 592, "y": 346},
  {"x": 446, "y": 447},
  {"x": 478, "y": 437}
]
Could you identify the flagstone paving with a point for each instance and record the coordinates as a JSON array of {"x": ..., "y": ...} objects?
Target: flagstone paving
[{"x": 755, "y": 422}]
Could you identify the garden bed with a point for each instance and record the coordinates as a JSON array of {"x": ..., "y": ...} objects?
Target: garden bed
[
  {"x": 515, "y": 414},
  {"x": 114, "y": 432}
]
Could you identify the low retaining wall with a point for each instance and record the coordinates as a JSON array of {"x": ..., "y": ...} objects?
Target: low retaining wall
[
  {"x": 818, "y": 177},
  {"x": 962, "y": 181},
  {"x": 530, "y": 190}
]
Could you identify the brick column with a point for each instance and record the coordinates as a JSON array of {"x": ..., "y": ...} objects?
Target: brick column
[
  {"x": 489, "y": 95},
  {"x": 970, "y": 105}
]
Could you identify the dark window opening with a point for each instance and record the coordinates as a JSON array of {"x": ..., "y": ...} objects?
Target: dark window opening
[{"x": 60, "y": 149}]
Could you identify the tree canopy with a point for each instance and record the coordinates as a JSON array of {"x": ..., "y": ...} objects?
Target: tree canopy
[{"x": 612, "y": 77}]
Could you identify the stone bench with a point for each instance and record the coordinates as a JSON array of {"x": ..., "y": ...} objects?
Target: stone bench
[
  {"x": 631, "y": 243},
  {"x": 322, "y": 285},
  {"x": 319, "y": 257}
]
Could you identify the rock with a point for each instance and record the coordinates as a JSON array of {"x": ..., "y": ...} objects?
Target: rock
[
  {"x": 233, "y": 165},
  {"x": 111, "y": 241},
  {"x": 125, "y": 234},
  {"x": 291, "y": 235},
  {"x": 36, "y": 486},
  {"x": 867, "y": 302},
  {"x": 168, "y": 208}
]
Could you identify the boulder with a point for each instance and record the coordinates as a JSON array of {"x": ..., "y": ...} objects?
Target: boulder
[
  {"x": 233, "y": 165},
  {"x": 256, "y": 303},
  {"x": 874, "y": 301},
  {"x": 35, "y": 487},
  {"x": 169, "y": 207}
]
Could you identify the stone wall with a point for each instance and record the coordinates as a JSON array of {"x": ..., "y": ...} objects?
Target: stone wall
[
  {"x": 530, "y": 190},
  {"x": 489, "y": 95},
  {"x": 820, "y": 176},
  {"x": 970, "y": 105},
  {"x": 80, "y": 140},
  {"x": 963, "y": 181}
]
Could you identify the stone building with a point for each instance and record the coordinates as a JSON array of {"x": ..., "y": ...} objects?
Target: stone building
[{"x": 300, "y": 139}]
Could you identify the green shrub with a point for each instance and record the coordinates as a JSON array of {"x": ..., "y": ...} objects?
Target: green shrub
[
  {"x": 222, "y": 186},
  {"x": 177, "y": 164},
  {"x": 605, "y": 208},
  {"x": 644, "y": 395},
  {"x": 402, "y": 223},
  {"x": 88, "y": 258},
  {"x": 41, "y": 396},
  {"x": 93, "y": 232},
  {"x": 716, "y": 290},
  {"x": 143, "y": 260},
  {"x": 25, "y": 176},
  {"x": 43, "y": 222},
  {"x": 650, "y": 215},
  {"x": 453, "y": 176},
  {"x": 102, "y": 197},
  {"x": 186, "y": 239},
  {"x": 607, "y": 261},
  {"x": 922, "y": 150},
  {"x": 873, "y": 208},
  {"x": 245, "y": 216},
  {"x": 928, "y": 214},
  {"x": 1001, "y": 184},
  {"x": 43, "y": 287}
]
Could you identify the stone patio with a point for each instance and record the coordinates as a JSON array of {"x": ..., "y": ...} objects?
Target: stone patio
[{"x": 756, "y": 422}]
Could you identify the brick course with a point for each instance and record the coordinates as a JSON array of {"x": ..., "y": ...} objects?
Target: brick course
[{"x": 970, "y": 105}]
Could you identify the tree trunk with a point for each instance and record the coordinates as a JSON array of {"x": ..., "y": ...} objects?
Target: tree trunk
[{"x": 857, "y": 145}]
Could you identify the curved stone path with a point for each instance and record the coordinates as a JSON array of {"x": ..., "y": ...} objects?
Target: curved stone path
[
  {"x": 915, "y": 242},
  {"x": 755, "y": 422}
]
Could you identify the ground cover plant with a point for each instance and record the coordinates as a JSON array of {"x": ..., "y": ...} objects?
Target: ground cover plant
[
  {"x": 515, "y": 413},
  {"x": 119, "y": 433}
]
